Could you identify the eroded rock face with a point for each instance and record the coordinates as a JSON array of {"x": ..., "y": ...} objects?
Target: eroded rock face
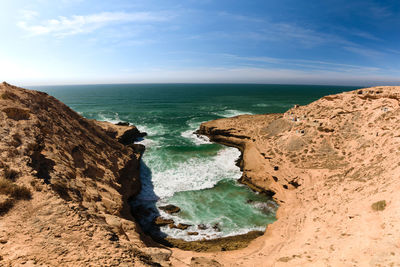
[
  {"x": 80, "y": 179},
  {"x": 326, "y": 163},
  {"x": 125, "y": 134}
]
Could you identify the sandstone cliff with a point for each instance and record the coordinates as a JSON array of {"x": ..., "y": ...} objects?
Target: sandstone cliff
[
  {"x": 333, "y": 166},
  {"x": 64, "y": 186}
]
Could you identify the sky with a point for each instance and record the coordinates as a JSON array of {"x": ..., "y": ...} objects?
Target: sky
[{"x": 346, "y": 42}]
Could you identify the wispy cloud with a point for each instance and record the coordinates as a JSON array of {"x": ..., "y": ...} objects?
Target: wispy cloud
[
  {"x": 76, "y": 24},
  {"x": 365, "y": 52},
  {"x": 307, "y": 64},
  {"x": 263, "y": 29}
]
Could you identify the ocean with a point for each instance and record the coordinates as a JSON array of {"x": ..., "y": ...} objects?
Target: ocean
[{"x": 181, "y": 168}]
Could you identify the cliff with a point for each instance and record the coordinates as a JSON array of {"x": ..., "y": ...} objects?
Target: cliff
[
  {"x": 65, "y": 182},
  {"x": 333, "y": 167}
]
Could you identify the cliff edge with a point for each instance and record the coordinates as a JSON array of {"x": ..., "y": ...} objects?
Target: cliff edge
[
  {"x": 333, "y": 166},
  {"x": 65, "y": 182}
]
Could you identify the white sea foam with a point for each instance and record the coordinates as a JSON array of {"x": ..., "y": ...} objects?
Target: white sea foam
[
  {"x": 231, "y": 113},
  {"x": 110, "y": 118},
  {"x": 194, "y": 124},
  {"x": 195, "y": 173},
  {"x": 262, "y": 105},
  {"x": 195, "y": 138},
  {"x": 208, "y": 233},
  {"x": 152, "y": 130}
]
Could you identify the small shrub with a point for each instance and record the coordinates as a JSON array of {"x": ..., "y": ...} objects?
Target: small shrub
[
  {"x": 13, "y": 190},
  {"x": 379, "y": 206},
  {"x": 17, "y": 113},
  {"x": 5, "y": 186},
  {"x": 6, "y": 205},
  {"x": 10, "y": 174},
  {"x": 8, "y": 95},
  {"x": 21, "y": 192}
]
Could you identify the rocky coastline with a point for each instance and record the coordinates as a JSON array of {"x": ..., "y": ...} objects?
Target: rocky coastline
[{"x": 332, "y": 166}]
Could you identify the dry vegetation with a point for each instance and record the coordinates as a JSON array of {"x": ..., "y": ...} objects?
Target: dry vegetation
[
  {"x": 17, "y": 113},
  {"x": 10, "y": 192}
]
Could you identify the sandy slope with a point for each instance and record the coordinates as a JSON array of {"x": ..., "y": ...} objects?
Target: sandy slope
[
  {"x": 80, "y": 180},
  {"x": 327, "y": 163}
]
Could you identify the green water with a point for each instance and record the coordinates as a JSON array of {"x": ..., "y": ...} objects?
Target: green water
[{"x": 181, "y": 168}]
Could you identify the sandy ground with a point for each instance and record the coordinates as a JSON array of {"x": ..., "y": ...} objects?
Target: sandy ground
[{"x": 327, "y": 163}]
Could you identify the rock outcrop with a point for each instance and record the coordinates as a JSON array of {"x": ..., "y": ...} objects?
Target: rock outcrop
[
  {"x": 65, "y": 185},
  {"x": 333, "y": 166}
]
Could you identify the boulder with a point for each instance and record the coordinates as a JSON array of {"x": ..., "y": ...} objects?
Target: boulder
[{"x": 170, "y": 209}]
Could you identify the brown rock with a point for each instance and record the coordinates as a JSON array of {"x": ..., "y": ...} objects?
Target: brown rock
[
  {"x": 170, "y": 209},
  {"x": 193, "y": 233},
  {"x": 160, "y": 221},
  {"x": 181, "y": 226}
]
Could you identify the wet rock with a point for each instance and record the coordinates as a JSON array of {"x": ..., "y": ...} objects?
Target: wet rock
[
  {"x": 170, "y": 209},
  {"x": 216, "y": 227},
  {"x": 193, "y": 233},
  {"x": 181, "y": 226},
  {"x": 122, "y": 123},
  {"x": 160, "y": 221},
  {"x": 202, "y": 226}
]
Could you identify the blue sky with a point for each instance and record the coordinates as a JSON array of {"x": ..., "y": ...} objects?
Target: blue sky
[{"x": 268, "y": 41}]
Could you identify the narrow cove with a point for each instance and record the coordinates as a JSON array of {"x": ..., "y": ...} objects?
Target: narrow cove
[{"x": 183, "y": 169}]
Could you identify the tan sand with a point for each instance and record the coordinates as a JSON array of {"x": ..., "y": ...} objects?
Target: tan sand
[{"x": 327, "y": 163}]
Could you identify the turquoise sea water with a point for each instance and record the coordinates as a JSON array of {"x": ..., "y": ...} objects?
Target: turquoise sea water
[{"x": 181, "y": 168}]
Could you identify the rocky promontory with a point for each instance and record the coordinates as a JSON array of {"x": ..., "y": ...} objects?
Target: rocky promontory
[
  {"x": 65, "y": 182},
  {"x": 333, "y": 166}
]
